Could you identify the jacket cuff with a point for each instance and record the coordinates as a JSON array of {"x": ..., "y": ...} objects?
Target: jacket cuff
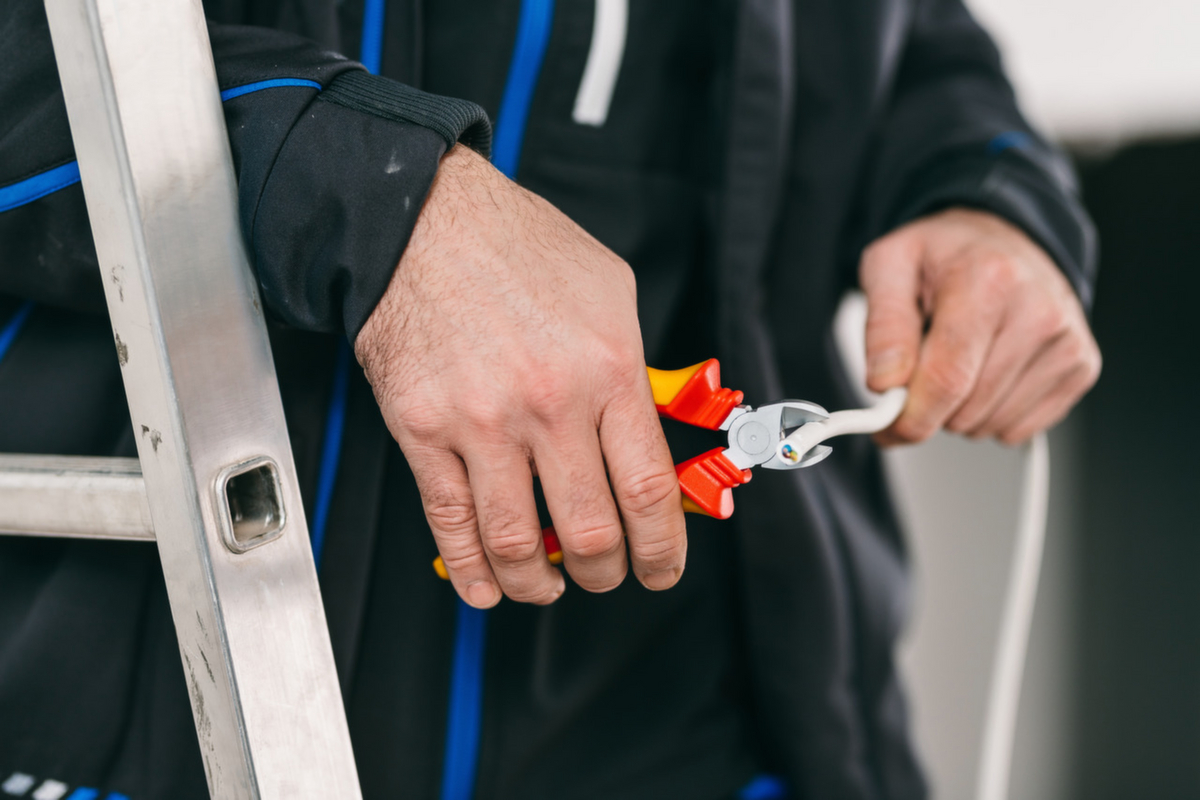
[
  {"x": 1011, "y": 187},
  {"x": 456, "y": 121},
  {"x": 343, "y": 195}
]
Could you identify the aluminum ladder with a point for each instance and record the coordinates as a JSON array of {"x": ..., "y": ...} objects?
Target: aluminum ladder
[{"x": 216, "y": 485}]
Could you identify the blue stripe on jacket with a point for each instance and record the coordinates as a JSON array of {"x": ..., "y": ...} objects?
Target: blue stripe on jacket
[{"x": 49, "y": 181}]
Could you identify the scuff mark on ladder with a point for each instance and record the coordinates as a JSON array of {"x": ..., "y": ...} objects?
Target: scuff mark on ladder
[
  {"x": 122, "y": 350},
  {"x": 207, "y": 667},
  {"x": 119, "y": 281},
  {"x": 155, "y": 437}
]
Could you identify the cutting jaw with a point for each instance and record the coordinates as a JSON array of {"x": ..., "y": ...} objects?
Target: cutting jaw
[{"x": 755, "y": 434}]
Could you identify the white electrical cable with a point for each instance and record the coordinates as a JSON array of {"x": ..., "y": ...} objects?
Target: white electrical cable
[
  {"x": 1008, "y": 666},
  {"x": 860, "y": 420},
  {"x": 1016, "y": 620}
]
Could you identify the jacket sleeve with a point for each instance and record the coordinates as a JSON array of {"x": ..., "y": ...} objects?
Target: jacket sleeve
[
  {"x": 333, "y": 165},
  {"x": 953, "y": 135}
]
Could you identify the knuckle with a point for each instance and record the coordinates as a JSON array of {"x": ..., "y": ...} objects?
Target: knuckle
[
  {"x": 1048, "y": 322},
  {"x": 643, "y": 493},
  {"x": 949, "y": 378},
  {"x": 996, "y": 275},
  {"x": 628, "y": 277},
  {"x": 617, "y": 361},
  {"x": 451, "y": 517},
  {"x": 595, "y": 542},
  {"x": 1082, "y": 359},
  {"x": 549, "y": 398},
  {"x": 423, "y": 423},
  {"x": 1093, "y": 366},
  {"x": 485, "y": 415},
  {"x": 468, "y": 562},
  {"x": 511, "y": 543},
  {"x": 1088, "y": 354},
  {"x": 1077, "y": 351}
]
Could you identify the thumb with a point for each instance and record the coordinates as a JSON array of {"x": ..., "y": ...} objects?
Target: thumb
[{"x": 890, "y": 275}]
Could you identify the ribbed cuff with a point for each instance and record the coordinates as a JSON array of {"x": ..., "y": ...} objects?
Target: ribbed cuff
[{"x": 453, "y": 119}]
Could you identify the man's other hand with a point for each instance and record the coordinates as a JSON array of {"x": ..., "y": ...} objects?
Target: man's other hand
[
  {"x": 507, "y": 345},
  {"x": 979, "y": 323}
]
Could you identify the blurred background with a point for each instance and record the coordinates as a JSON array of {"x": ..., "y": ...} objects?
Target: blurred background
[{"x": 1110, "y": 706}]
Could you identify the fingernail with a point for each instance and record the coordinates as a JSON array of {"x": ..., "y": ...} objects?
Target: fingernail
[
  {"x": 482, "y": 594},
  {"x": 663, "y": 579},
  {"x": 885, "y": 363}
]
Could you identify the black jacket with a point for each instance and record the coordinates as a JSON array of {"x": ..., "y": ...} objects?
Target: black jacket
[{"x": 751, "y": 150}]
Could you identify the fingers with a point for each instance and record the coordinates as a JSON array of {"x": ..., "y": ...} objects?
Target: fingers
[
  {"x": 1049, "y": 411},
  {"x": 1008, "y": 350},
  {"x": 965, "y": 322},
  {"x": 1015, "y": 349},
  {"x": 450, "y": 509},
  {"x": 582, "y": 507},
  {"x": 1045, "y": 391},
  {"x": 502, "y": 485},
  {"x": 643, "y": 481},
  {"x": 890, "y": 277}
]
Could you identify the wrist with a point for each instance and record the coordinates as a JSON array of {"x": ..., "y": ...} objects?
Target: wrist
[{"x": 461, "y": 173}]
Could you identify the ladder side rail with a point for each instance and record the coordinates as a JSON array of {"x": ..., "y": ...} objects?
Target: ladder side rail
[{"x": 157, "y": 174}]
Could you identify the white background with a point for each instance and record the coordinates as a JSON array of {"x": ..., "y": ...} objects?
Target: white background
[{"x": 1102, "y": 71}]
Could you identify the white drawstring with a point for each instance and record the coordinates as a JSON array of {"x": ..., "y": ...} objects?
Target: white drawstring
[{"x": 609, "y": 28}]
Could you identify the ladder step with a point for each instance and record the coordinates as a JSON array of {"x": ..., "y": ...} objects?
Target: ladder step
[{"x": 75, "y": 496}]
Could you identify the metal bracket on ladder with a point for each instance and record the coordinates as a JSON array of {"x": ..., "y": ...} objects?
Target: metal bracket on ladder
[{"x": 217, "y": 489}]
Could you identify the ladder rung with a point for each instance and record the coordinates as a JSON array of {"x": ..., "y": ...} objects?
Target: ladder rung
[{"x": 76, "y": 496}]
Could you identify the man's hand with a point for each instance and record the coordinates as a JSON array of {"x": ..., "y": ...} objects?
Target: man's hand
[
  {"x": 507, "y": 344},
  {"x": 1007, "y": 352}
]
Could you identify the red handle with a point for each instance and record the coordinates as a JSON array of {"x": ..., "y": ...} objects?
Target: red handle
[
  {"x": 694, "y": 395},
  {"x": 707, "y": 482}
]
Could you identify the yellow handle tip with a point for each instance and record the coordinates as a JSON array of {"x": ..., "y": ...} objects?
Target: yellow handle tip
[
  {"x": 667, "y": 383},
  {"x": 439, "y": 567}
]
